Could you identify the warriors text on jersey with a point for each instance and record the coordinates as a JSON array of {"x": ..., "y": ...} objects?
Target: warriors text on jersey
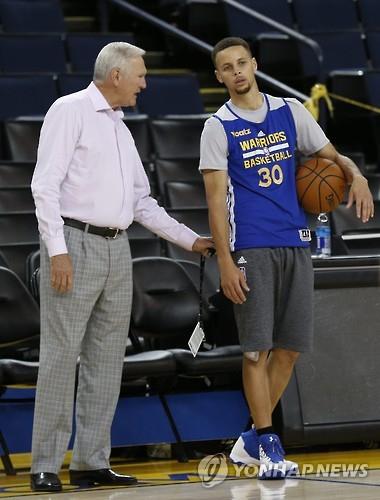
[{"x": 263, "y": 206}]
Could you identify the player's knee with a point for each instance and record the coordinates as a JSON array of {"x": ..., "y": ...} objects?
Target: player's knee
[{"x": 286, "y": 357}]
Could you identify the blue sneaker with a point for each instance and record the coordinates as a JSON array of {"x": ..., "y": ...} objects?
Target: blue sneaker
[
  {"x": 246, "y": 452},
  {"x": 272, "y": 461},
  {"x": 246, "y": 449}
]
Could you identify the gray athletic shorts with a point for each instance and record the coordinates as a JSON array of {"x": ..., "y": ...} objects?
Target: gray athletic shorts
[{"x": 278, "y": 312}]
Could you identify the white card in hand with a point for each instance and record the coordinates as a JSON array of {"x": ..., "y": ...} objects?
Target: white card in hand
[{"x": 196, "y": 339}]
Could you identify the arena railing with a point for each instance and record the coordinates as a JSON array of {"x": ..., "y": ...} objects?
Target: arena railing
[{"x": 207, "y": 48}]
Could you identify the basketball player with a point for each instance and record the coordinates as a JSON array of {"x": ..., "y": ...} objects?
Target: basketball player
[{"x": 248, "y": 153}]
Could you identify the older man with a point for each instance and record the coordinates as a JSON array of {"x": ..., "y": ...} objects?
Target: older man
[{"x": 89, "y": 185}]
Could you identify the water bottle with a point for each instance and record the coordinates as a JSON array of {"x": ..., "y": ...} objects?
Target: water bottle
[{"x": 323, "y": 234}]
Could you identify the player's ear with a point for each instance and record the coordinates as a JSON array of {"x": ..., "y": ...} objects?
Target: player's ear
[
  {"x": 254, "y": 62},
  {"x": 218, "y": 77}
]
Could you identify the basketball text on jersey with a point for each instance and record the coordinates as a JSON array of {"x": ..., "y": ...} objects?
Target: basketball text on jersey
[
  {"x": 305, "y": 234},
  {"x": 263, "y": 149}
]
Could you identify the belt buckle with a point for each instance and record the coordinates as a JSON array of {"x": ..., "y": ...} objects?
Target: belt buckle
[{"x": 115, "y": 235}]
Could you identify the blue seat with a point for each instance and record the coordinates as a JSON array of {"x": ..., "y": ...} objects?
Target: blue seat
[
  {"x": 174, "y": 94},
  {"x": 25, "y": 16},
  {"x": 240, "y": 24},
  {"x": 26, "y": 95},
  {"x": 32, "y": 53},
  {"x": 341, "y": 50},
  {"x": 325, "y": 15},
  {"x": 83, "y": 48},
  {"x": 68, "y": 83},
  {"x": 370, "y": 14},
  {"x": 373, "y": 42}
]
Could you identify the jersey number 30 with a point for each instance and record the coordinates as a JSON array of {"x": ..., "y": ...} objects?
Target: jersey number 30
[{"x": 267, "y": 176}]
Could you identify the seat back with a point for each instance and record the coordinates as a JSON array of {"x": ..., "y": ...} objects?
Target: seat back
[
  {"x": 16, "y": 174},
  {"x": 16, "y": 198},
  {"x": 32, "y": 53},
  {"x": 177, "y": 137},
  {"x": 175, "y": 170},
  {"x": 26, "y": 95},
  {"x": 352, "y": 127},
  {"x": 68, "y": 83},
  {"x": 341, "y": 50},
  {"x": 39, "y": 16},
  {"x": 17, "y": 227},
  {"x": 372, "y": 79},
  {"x": 143, "y": 242},
  {"x": 369, "y": 14},
  {"x": 359, "y": 238},
  {"x": 19, "y": 314},
  {"x": 240, "y": 24},
  {"x": 317, "y": 14},
  {"x": 173, "y": 94},
  {"x": 185, "y": 194},
  {"x": 83, "y": 48},
  {"x": 165, "y": 301},
  {"x": 32, "y": 264},
  {"x": 373, "y": 43},
  {"x": 22, "y": 138},
  {"x": 16, "y": 255},
  {"x": 138, "y": 125}
]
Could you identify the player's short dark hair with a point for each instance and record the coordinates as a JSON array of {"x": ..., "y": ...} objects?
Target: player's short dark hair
[{"x": 225, "y": 43}]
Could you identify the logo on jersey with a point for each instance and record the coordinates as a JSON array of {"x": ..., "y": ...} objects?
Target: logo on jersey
[
  {"x": 239, "y": 133},
  {"x": 305, "y": 234}
]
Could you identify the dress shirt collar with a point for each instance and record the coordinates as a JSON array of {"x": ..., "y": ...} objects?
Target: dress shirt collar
[{"x": 99, "y": 102}]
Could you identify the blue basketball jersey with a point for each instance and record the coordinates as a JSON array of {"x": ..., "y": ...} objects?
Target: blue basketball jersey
[{"x": 262, "y": 200}]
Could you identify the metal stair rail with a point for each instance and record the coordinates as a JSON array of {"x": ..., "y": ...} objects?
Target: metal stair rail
[{"x": 205, "y": 47}]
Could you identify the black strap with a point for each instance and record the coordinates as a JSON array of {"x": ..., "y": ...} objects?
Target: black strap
[{"x": 201, "y": 278}]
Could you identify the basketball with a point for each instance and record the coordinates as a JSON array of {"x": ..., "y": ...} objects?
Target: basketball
[{"x": 321, "y": 185}]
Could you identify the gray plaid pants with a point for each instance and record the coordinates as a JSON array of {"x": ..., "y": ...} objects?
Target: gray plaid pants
[{"x": 90, "y": 322}]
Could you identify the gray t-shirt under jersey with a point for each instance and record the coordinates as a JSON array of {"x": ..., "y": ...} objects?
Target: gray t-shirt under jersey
[{"x": 214, "y": 146}]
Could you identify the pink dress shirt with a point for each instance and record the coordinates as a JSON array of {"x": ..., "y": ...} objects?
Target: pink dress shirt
[{"x": 88, "y": 169}]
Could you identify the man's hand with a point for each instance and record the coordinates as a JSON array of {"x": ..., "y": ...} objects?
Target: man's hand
[
  {"x": 361, "y": 195},
  {"x": 205, "y": 246},
  {"x": 233, "y": 282},
  {"x": 61, "y": 273}
]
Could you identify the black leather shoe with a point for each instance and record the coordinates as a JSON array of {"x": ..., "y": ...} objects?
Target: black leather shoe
[
  {"x": 100, "y": 476},
  {"x": 45, "y": 481}
]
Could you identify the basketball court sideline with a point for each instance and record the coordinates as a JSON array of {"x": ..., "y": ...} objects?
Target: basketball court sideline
[{"x": 335, "y": 475}]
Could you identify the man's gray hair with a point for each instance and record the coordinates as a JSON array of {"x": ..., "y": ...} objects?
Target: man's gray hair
[{"x": 114, "y": 55}]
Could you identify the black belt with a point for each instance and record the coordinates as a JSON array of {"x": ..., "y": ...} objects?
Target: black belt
[{"x": 106, "y": 232}]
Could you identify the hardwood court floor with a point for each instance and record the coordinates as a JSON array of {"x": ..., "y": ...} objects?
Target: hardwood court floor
[{"x": 336, "y": 475}]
